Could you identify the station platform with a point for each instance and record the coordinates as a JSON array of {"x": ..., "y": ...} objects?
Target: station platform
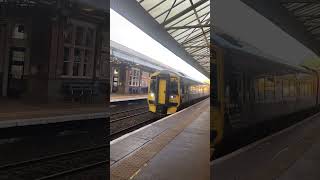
[
  {"x": 126, "y": 97},
  {"x": 18, "y": 114},
  {"x": 175, "y": 147},
  {"x": 291, "y": 154},
  {"x": 14, "y": 113}
]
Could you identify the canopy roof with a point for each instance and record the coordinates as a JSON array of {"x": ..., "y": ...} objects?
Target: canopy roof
[{"x": 187, "y": 21}]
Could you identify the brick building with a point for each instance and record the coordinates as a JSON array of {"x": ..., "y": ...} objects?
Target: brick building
[{"x": 51, "y": 50}]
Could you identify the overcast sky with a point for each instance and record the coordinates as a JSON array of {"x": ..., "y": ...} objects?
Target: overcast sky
[{"x": 240, "y": 21}]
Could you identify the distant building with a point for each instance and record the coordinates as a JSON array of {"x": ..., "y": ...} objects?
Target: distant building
[
  {"x": 50, "y": 48},
  {"x": 130, "y": 70}
]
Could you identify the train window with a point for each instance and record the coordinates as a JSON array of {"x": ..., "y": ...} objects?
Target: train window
[
  {"x": 278, "y": 89},
  {"x": 152, "y": 86},
  {"x": 174, "y": 87},
  {"x": 302, "y": 89},
  {"x": 269, "y": 89},
  {"x": 291, "y": 88},
  {"x": 285, "y": 86},
  {"x": 260, "y": 89},
  {"x": 182, "y": 87},
  {"x": 308, "y": 89},
  {"x": 19, "y": 32}
]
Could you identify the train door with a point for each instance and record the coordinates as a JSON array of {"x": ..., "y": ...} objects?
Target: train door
[{"x": 162, "y": 91}]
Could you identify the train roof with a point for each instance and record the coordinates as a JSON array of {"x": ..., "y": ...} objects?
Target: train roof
[{"x": 232, "y": 44}]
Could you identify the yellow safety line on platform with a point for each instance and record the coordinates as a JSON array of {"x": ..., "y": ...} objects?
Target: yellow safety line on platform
[{"x": 130, "y": 167}]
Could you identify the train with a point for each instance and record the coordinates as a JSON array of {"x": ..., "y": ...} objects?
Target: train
[
  {"x": 249, "y": 87},
  {"x": 168, "y": 91}
]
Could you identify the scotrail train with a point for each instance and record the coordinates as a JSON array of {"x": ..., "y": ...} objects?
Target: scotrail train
[
  {"x": 249, "y": 87},
  {"x": 168, "y": 91}
]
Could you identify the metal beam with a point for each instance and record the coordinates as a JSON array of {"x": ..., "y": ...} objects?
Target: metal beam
[
  {"x": 188, "y": 27},
  {"x": 184, "y": 12},
  {"x": 199, "y": 23},
  {"x": 201, "y": 55},
  {"x": 280, "y": 16},
  {"x": 135, "y": 13},
  {"x": 196, "y": 46}
]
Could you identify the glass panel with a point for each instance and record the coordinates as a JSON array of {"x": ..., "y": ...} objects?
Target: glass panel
[
  {"x": 77, "y": 61},
  {"x": 174, "y": 86},
  {"x": 16, "y": 71},
  {"x": 285, "y": 88},
  {"x": 19, "y": 32},
  {"x": 261, "y": 89},
  {"x": 66, "y": 66},
  {"x": 269, "y": 88},
  {"x": 76, "y": 68},
  {"x": 18, "y": 56},
  {"x": 278, "y": 90},
  {"x": 152, "y": 86},
  {"x": 180, "y": 8},
  {"x": 88, "y": 56},
  {"x": 77, "y": 55},
  {"x": 85, "y": 69},
  {"x": 66, "y": 54},
  {"x": 292, "y": 90}
]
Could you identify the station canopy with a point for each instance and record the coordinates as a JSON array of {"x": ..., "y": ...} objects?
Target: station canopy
[{"x": 188, "y": 22}]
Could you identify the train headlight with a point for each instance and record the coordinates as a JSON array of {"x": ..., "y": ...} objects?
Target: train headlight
[
  {"x": 152, "y": 95},
  {"x": 172, "y": 96}
]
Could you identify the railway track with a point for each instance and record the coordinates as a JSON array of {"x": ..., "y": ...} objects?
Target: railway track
[
  {"x": 120, "y": 115},
  {"x": 58, "y": 165},
  {"x": 128, "y": 120},
  {"x": 133, "y": 119}
]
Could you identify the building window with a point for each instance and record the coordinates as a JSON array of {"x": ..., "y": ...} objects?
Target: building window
[
  {"x": 134, "y": 75},
  {"x": 79, "y": 39},
  {"x": 17, "y": 64},
  {"x": 19, "y": 32},
  {"x": 104, "y": 66},
  {"x": 104, "y": 62},
  {"x": 144, "y": 79}
]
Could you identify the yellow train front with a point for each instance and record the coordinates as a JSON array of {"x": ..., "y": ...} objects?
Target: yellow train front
[{"x": 168, "y": 91}]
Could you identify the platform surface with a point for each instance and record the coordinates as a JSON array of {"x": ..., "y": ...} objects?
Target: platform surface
[
  {"x": 22, "y": 115},
  {"x": 15, "y": 113},
  {"x": 127, "y": 97},
  {"x": 176, "y": 147},
  {"x": 291, "y": 154}
]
